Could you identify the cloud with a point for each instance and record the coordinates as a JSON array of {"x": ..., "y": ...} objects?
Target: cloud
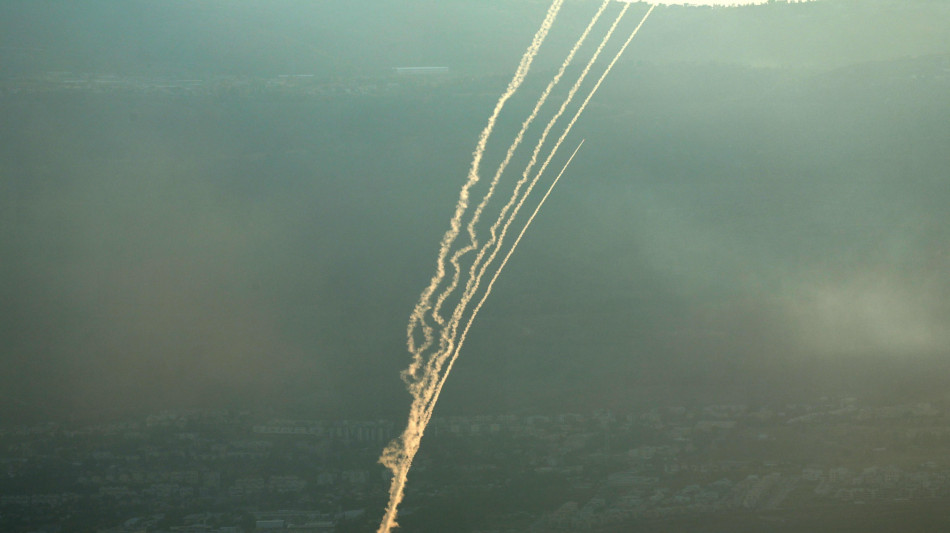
[{"x": 867, "y": 312}]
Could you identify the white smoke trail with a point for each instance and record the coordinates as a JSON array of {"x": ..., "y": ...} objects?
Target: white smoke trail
[
  {"x": 524, "y": 65},
  {"x": 476, "y": 216},
  {"x": 426, "y": 386},
  {"x": 475, "y": 279},
  {"x": 399, "y": 453},
  {"x": 449, "y": 332},
  {"x": 491, "y": 283},
  {"x": 477, "y": 265},
  {"x": 570, "y": 125},
  {"x": 478, "y": 269},
  {"x": 426, "y": 377},
  {"x": 593, "y": 91},
  {"x": 423, "y": 386}
]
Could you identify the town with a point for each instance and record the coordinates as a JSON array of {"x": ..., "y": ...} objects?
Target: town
[{"x": 221, "y": 471}]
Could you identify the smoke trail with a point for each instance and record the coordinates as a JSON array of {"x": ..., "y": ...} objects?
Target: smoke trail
[
  {"x": 580, "y": 110},
  {"x": 475, "y": 279},
  {"x": 567, "y": 129},
  {"x": 398, "y": 455},
  {"x": 478, "y": 268},
  {"x": 511, "y": 150},
  {"x": 564, "y": 133},
  {"x": 426, "y": 386},
  {"x": 477, "y": 265},
  {"x": 423, "y": 387},
  {"x": 417, "y": 315},
  {"x": 491, "y": 283},
  {"x": 450, "y": 331}
]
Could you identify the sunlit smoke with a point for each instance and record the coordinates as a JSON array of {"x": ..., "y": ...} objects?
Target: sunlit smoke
[
  {"x": 425, "y": 376},
  {"x": 475, "y": 279},
  {"x": 517, "y": 198},
  {"x": 476, "y": 216},
  {"x": 491, "y": 282},
  {"x": 455, "y": 223},
  {"x": 478, "y": 264},
  {"x": 398, "y": 455}
]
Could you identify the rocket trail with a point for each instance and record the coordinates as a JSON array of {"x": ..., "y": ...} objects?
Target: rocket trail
[
  {"x": 431, "y": 364},
  {"x": 474, "y": 280},
  {"x": 425, "y": 376},
  {"x": 423, "y": 305},
  {"x": 400, "y": 452},
  {"x": 593, "y": 91},
  {"x": 495, "y": 241},
  {"x": 491, "y": 283},
  {"x": 449, "y": 332},
  {"x": 479, "y": 268},
  {"x": 476, "y": 216},
  {"x": 570, "y": 125}
]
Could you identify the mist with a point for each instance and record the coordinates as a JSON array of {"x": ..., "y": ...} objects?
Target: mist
[
  {"x": 737, "y": 196},
  {"x": 232, "y": 208}
]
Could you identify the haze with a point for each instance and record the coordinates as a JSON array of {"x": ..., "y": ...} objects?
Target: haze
[
  {"x": 750, "y": 200},
  {"x": 224, "y": 205}
]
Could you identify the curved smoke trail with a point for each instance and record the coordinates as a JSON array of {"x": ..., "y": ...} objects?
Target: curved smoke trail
[
  {"x": 567, "y": 129},
  {"x": 476, "y": 216},
  {"x": 494, "y": 242},
  {"x": 425, "y": 377},
  {"x": 491, "y": 283},
  {"x": 449, "y": 332},
  {"x": 524, "y": 65},
  {"x": 398, "y": 455}
]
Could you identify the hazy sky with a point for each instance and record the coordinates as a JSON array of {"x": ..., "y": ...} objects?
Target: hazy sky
[{"x": 759, "y": 207}]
